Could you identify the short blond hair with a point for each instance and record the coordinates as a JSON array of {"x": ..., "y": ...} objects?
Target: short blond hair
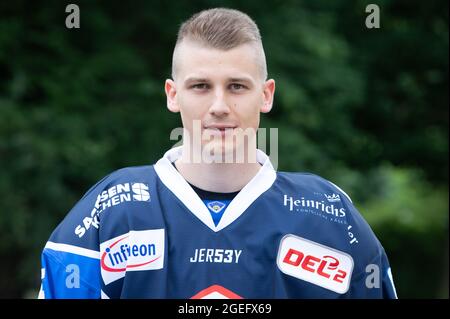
[{"x": 223, "y": 29}]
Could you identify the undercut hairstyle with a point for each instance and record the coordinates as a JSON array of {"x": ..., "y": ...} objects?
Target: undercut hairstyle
[{"x": 222, "y": 29}]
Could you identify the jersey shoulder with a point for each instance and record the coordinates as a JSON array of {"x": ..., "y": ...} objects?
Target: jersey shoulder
[
  {"x": 125, "y": 188},
  {"x": 314, "y": 183},
  {"x": 328, "y": 199}
]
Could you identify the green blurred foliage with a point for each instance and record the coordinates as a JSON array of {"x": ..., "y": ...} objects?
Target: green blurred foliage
[
  {"x": 365, "y": 108},
  {"x": 415, "y": 234}
]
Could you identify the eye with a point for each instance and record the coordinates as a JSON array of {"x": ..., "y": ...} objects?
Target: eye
[
  {"x": 200, "y": 86},
  {"x": 237, "y": 87}
]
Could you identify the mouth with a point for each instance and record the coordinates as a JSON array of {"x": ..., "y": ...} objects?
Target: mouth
[
  {"x": 221, "y": 129},
  {"x": 220, "y": 126}
]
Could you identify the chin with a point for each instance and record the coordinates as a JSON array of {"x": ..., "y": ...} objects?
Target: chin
[{"x": 219, "y": 152}]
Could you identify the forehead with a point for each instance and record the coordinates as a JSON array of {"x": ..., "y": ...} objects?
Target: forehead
[{"x": 193, "y": 59}]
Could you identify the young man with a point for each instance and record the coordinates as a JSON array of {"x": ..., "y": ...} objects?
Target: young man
[{"x": 212, "y": 218}]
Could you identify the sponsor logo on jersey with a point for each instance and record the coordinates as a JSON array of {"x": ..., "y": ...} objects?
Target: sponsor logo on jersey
[
  {"x": 351, "y": 235},
  {"x": 331, "y": 212},
  {"x": 113, "y": 196},
  {"x": 216, "y": 292},
  {"x": 216, "y": 206},
  {"x": 133, "y": 251},
  {"x": 226, "y": 256},
  {"x": 315, "y": 263}
]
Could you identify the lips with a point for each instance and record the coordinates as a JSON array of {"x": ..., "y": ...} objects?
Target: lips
[
  {"x": 220, "y": 126},
  {"x": 220, "y": 129}
]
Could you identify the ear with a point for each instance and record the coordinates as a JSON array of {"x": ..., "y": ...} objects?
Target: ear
[
  {"x": 268, "y": 92},
  {"x": 171, "y": 93}
]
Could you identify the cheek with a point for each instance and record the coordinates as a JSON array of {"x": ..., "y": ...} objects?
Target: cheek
[
  {"x": 249, "y": 112},
  {"x": 190, "y": 109}
]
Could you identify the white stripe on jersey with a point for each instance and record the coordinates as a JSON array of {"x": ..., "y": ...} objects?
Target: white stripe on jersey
[
  {"x": 103, "y": 295},
  {"x": 41, "y": 293},
  {"x": 389, "y": 272},
  {"x": 73, "y": 249}
]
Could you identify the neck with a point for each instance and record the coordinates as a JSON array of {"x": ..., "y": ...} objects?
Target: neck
[{"x": 217, "y": 177}]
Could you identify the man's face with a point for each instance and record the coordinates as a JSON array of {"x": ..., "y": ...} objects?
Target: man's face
[{"x": 222, "y": 92}]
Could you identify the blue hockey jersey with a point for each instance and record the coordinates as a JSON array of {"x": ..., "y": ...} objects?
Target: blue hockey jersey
[{"x": 142, "y": 232}]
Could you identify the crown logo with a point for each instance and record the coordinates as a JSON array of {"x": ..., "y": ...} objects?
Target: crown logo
[{"x": 333, "y": 198}]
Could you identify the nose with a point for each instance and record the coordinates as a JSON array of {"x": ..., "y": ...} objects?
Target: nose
[{"x": 219, "y": 107}]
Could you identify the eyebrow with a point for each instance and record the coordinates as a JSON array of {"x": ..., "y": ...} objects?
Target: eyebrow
[
  {"x": 203, "y": 80},
  {"x": 195, "y": 79},
  {"x": 242, "y": 79}
]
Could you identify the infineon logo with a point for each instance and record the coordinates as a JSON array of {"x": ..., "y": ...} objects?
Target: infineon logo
[
  {"x": 315, "y": 263},
  {"x": 133, "y": 251}
]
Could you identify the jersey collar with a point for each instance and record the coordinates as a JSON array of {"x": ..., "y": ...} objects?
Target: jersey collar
[{"x": 173, "y": 180}]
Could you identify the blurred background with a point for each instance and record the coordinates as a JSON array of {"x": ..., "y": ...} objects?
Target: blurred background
[{"x": 364, "y": 108}]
